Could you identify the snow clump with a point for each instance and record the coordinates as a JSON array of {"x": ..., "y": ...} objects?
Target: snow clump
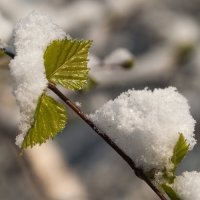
[
  {"x": 146, "y": 125},
  {"x": 120, "y": 56},
  {"x": 31, "y": 37},
  {"x": 187, "y": 186}
]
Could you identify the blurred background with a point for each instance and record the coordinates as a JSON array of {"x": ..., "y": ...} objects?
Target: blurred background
[{"x": 137, "y": 44}]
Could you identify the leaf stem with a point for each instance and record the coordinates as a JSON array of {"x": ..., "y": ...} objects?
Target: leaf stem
[{"x": 139, "y": 172}]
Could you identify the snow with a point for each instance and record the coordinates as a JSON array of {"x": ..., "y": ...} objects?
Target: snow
[
  {"x": 183, "y": 31},
  {"x": 78, "y": 104},
  {"x": 187, "y": 186},
  {"x": 94, "y": 61},
  {"x": 119, "y": 56},
  {"x": 146, "y": 124},
  {"x": 2, "y": 44},
  {"x": 32, "y": 35},
  {"x": 5, "y": 30}
]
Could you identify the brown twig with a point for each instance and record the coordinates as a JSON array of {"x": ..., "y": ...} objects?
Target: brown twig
[{"x": 139, "y": 172}]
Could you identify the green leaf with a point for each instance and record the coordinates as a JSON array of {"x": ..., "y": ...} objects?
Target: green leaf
[
  {"x": 2, "y": 54},
  {"x": 66, "y": 63},
  {"x": 180, "y": 150},
  {"x": 170, "y": 192},
  {"x": 128, "y": 64},
  {"x": 169, "y": 176},
  {"x": 49, "y": 119}
]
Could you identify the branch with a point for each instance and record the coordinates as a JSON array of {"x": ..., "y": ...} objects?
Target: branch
[{"x": 139, "y": 172}]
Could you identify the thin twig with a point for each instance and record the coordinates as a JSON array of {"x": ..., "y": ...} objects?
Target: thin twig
[{"x": 139, "y": 172}]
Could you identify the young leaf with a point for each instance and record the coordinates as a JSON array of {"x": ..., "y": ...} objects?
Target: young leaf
[
  {"x": 169, "y": 176},
  {"x": 49, "y": 119},
  {"x": 170, "y": 192},
  {"x": 66, "y": 63},
  {"x": 1, "y": 53},
  {"x": 128, "y": 64},
  {"x": 180, "y": 150}
]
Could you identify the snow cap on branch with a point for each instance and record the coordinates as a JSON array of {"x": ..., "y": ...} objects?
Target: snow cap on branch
[
  {"x": 120, "y": 56},
  {"x": 146, "y": 124},
  {"x": 5, "y": 30},
  {"x": 32, "y": 35},
  {"x": 187, "y": 186}
]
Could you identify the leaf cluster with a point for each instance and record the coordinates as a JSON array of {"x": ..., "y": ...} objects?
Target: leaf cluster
[
  {"x": 180, "y": 150},
  {"x": 65, "y": 63}
]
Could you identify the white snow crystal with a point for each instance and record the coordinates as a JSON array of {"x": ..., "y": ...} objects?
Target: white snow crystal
[
  {"x": 118, "y": 57},
  {"x": 94, "y": 61},
  {"x": 5, "y": 30},
  {"x": 187, "y": 186},
  {"x": 146, "y": 124},
  {"x": 2, "y": 44},
  {"x": 78, "y": 104},
  {"x": 32, "y": 35}
]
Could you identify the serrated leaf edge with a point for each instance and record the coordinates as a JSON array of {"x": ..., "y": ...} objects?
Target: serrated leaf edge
[{"x": 24, "y": 146}]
